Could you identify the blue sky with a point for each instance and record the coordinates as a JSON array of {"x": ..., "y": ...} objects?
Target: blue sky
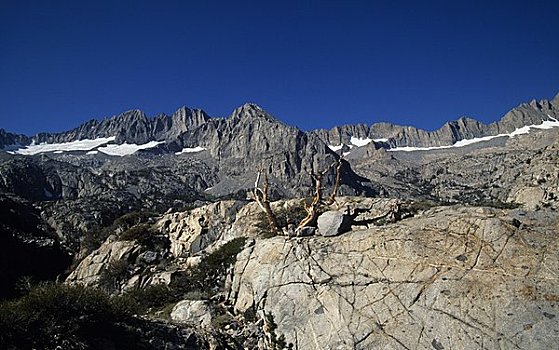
[{"x": 310, "y": 63}]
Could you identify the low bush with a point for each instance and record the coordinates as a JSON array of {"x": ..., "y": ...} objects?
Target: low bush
[
  {"x": 58, "y": 316},
  {"x": 93, "y": 239},
  {"x": 141, "y": 233},
  {"x": 116, "y": 272},
  {"x": 155, "y": 296},
  {"x": 210, "y": 273},
  {"x": 134, "y": 218}
]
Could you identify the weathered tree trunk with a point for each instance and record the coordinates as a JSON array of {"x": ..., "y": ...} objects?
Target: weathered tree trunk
[
  {"x": 261, "y": 196},
  {"x": 312, "y": 209}
]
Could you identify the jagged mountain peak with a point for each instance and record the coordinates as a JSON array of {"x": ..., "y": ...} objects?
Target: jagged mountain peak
[
  {"x": 555, "y": 100},
  {"x": 251, "y": 111}
]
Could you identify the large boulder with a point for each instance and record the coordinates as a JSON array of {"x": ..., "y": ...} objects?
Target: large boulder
[{"x": 90, "y": 269}]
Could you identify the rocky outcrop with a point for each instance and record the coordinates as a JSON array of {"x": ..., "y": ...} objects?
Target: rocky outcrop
[
  {"x": 453, "y": 277},
  {"x": 8, "y": 139},
  {"x": 194, "y": 312},
  {"x": 90, "y": 269},
  {"x": 132, "y": 127},
  {"x": 193, "y": 231}
]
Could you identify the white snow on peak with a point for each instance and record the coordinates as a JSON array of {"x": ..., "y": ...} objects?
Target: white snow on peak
[
  {"x": 191, "y": 150},
  {"x": 126, "y": 148},
  {"x": 355, "y": 142},
  {"x": 336, "y": 148},
  {"x": 547, "y": 124},
  {"x": 80, "y": 145},
  {"x": 359, "y": 141}
]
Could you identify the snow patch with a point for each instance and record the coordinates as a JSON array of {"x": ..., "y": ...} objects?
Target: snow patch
[
  {"x": 336, "y": 148},
  {"x": 92, "y": 152},
  {"x": 80, "y": 145},
  {"x": 126, "y": 148},
  {"x": 547, "y": 124},
  {"x": 359, "y": 142},
  {"x": 191, "y": 150},
  {"x": 380, "y": 140}
]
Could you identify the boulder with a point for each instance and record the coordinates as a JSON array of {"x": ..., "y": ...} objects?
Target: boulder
[
  {"x": 89, "y": 270},
  {"x": 333, "y": 223},
  {"x": 306, "y": 231},
  {"x": 196, "y": 312}
]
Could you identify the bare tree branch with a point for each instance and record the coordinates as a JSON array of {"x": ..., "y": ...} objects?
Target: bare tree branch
[
  {"x": 312, "y": 208},
  {"x": 332, "y": 197},
  {"x": 261, "y": 196}
]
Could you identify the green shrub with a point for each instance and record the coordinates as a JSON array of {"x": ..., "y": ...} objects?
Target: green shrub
[
  {"x": 209, "y": 275},
  {"x": 115, "y": 273},
  {"x": 286, "y": 217},
  {"x": 93, "y": 239},
  {"x": 155, "y": 296},
  {"x": 141, "y": 233},
  {"x": 201, "y": 282},
  {"x": 134, "y": 218},
  {"x": 292, "y": 215},
  {"x": 57, "y": 316},
  {"x": 277, "y": 342}
]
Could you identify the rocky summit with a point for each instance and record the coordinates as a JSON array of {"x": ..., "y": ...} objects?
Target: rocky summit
[{"x": 194, "y": 232}]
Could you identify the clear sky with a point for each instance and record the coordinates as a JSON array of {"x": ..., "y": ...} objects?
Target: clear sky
[{"x": 310, "y": 63}]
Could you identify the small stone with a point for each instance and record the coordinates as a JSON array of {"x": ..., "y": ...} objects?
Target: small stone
[
  {"x": 437, "y": 344},
  {"x": 306, "y": 231}
]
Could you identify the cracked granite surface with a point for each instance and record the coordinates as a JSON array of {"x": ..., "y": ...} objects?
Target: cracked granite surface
[{"x": 451, "y": 278}]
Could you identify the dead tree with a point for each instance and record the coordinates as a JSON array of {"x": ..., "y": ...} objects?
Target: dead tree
[
  {"x": 261, "y": 196},
  {"x": 313, "y": 208}
]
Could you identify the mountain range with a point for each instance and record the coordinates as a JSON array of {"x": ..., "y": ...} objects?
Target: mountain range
[
  {"x": 187, "y": 127},
  {"x": 201, "y": 155}
]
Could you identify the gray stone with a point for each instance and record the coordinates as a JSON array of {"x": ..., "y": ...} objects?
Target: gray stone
[
  {"x": 194, "y": 312},
  {"x": 148, "y": 257},
  {"x": 306, "y": 231},
  {"x": 88, "y": 271},
  {"x": 333, "y": 223}
]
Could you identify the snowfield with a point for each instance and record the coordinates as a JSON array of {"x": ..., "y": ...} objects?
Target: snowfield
[
  {"x": 191, "y": 150},
  {"x": 80, "y": 145},
  {"x": 127, "y": 148},
  {"x": 91, "y": 146},
  {"x": 547, "y": 124}
]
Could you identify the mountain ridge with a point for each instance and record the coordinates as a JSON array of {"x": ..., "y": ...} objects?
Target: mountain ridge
[{"x": 134, "y": 126}]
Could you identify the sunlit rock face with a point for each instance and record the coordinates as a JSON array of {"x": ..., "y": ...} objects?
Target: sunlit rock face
[{"x": 452, "y": 277}]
